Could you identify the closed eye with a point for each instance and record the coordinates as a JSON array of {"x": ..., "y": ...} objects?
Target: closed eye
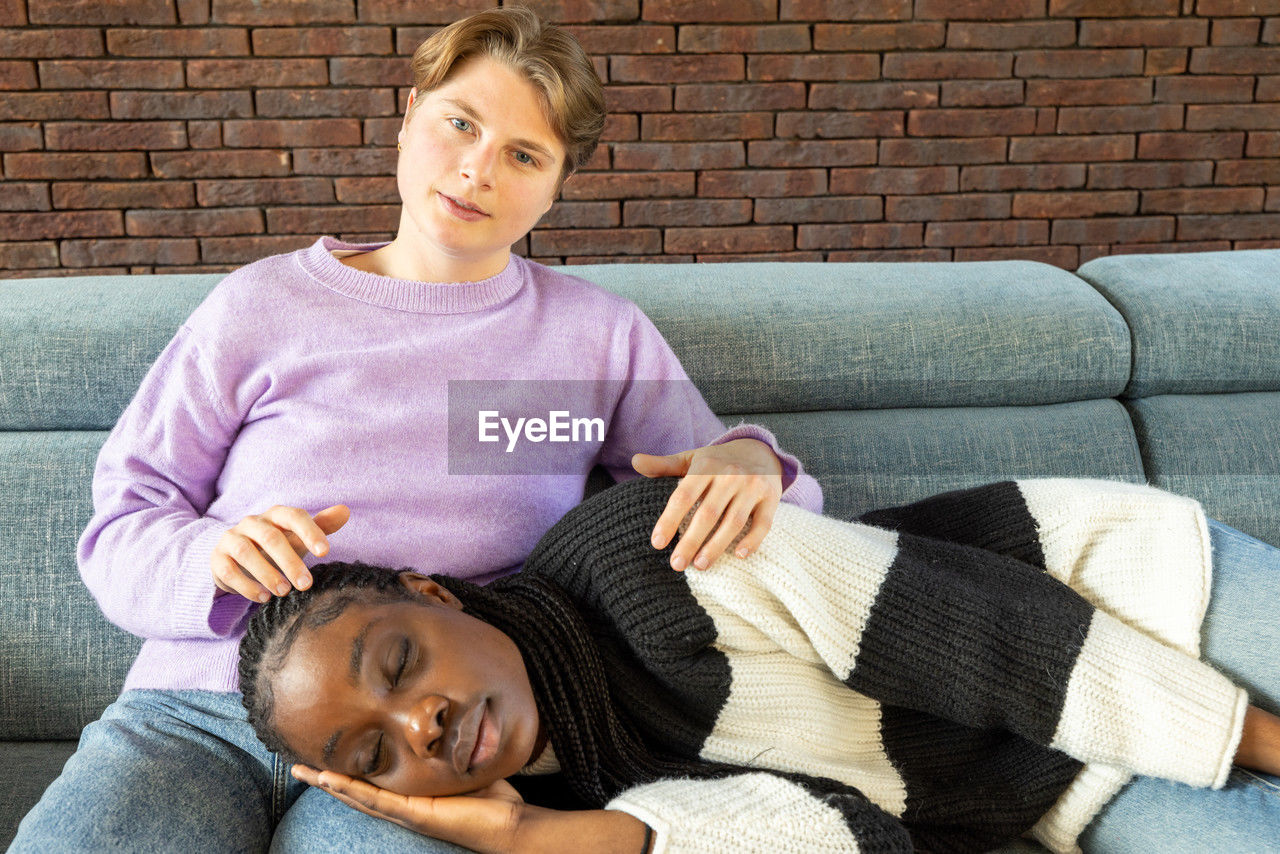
[
  {"x": 402, "y": 664},
  {"x": 375, "y": 760}
]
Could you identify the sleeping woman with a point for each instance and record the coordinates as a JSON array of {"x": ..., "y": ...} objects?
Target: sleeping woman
[{"x": 1016, "y": 659}]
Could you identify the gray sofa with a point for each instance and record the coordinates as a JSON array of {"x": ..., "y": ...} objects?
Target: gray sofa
[{"x": 891, "y": 382}]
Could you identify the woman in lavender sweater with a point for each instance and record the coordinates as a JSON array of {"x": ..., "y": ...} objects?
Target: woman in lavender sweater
[{"x": 346, "y": 387}]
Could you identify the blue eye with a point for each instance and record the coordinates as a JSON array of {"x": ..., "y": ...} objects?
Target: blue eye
[
  {"x": 461, "y": 124},
  {"x": 524, "y": 159}
]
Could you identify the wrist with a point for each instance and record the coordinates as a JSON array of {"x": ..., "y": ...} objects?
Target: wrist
[{"x": 546, "y": 831}]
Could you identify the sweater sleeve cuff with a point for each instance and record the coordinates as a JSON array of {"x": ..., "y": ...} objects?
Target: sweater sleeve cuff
[
  {"x": 798, "y": 488},
  {"x": 198, "y": 609}
]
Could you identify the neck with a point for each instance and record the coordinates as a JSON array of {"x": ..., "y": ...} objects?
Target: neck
[{"x": 410, "y": 256}]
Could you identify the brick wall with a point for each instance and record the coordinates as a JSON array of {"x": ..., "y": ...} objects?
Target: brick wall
[{"x": 152, "y": 135}]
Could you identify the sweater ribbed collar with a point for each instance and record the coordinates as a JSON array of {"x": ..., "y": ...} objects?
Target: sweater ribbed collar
[{"x": 405, "y": 294}]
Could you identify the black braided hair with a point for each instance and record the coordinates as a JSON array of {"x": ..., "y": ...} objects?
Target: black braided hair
[{"x": 278, "y": 622}]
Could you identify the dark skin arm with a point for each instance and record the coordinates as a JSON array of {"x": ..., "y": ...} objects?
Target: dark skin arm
[{"x": 1259, "y": 747}]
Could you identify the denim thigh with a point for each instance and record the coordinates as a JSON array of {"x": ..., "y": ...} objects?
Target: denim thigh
[
  {"x": 163, "y": 771},
  {"x": 317, "y": 821}
]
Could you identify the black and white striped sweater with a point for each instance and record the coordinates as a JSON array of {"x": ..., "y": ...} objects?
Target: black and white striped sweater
[{"x": 943, "y": 676}]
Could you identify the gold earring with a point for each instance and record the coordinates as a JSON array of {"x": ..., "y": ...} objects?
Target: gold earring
[{"x": 399, "y": 147}]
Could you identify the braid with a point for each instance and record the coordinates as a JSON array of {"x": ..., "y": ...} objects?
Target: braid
[
  {"x": 277, "y": 623},
  {"x": 600, "y": 751}
]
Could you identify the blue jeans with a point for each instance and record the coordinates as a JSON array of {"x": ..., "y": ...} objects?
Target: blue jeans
[
  {"x": 1240, "y": 638},
  {"x": 182, "y": 771}
]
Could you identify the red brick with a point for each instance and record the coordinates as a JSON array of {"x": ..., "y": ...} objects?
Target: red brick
[
  {"x": 209, "y": 164},
  {"x": 24, "y": 197},
  {"x": 1185, "y": 32},
  {"x": 931, "y": 152},
  {"x": 623, "y": 185},
  {"x": 1268, "y": 89},
  {"x": 1261, "y": 226},
  {"x": 1232, "y": 117},
  {"x": 74, "y": 166},
  {"x": 111, "y": 74},
  {"x": 1113, "y": 8},
  {"x": 583, "y": 11},
  {"x": 266, "y": 191},
  {"x": 182, "y": 42},
  {"x": 629, "y": 156},
  {"x": 1113, "y": 230},
  {"x": 1189, "y": 146},
  {"x": 982, "y": 10},
  {"x": 876, "y": 235},
  {"x": 1235, "y": 60},
  {"x": 582, "y": 215},
  {"x": 618, "y": 127},
  {"x": 17, "y": 75},
  {"x": 597, "y": 241},
  {"x": 1191, "y": 90},
  {"x": 325, "y": 102},
  {"x": 355, "y": 190},
  {"x": 570, "y": 260},
  {"x": 1119, "y": 119},
  {"x": 982, "y": 93},
  {"x": 1056, "y": 176},
  {"x": 738, "y": 257},
  {"x": 1203, "y": 200},
  {"x": 666, "y": 212},
  {"x": 244, "y": 249},
  {"x": 693, "y": 127},
  {"x": 826, "y": 209},
  {"x": 872, "y": 96},
  {"x": 94, "y": 253},
  {"x": 1082, "y": 62},
  {"x": 891, "y": 255},
  {"x": 193, "y": 12},
  {"x": 1077, "y": 204},
  {"x": 127, "y": 194},
  {"x": 842, "y": 152},
  {"x": 637, "y": 99},
  {"x": 1236, "y": 172},
  {"x": 50, "y": 43},
  {"x": 58, "y": 226},
  {"x": 885, "y": 180},
  {"x": 740, "y": 96},
  {"x": 1237, "y": 7},
  {"x": 344, "y": 161},
  {"x": 751, "y": 238},
  {"x": 947, "y": 207},
  {"x": 879, "y": 37},
  {"x": 970, "y": 122},
  {"x": 1271, "y": 31},
  {"x": 115, "y": 136},
  {"x": 1039, "y": 149},
  {"x": 1185, "y": 173},
  {"x": 763, "y": 183},
  {"x": 330, "y": 218},
  {"x": 985, "y": 36},
  {"x": 1235, "y": 31},
  {"x": 986, "y": 233},
  {"x": 630, "y": 39},
  {"x": 1046, "y": 120},
  {"x": 1273, "y": 199},
  {"x": 435, "y": 12},
  {"x": 1262, "y": 144},
  {"x": 947, "y": 65},
  {"x": 1166, "y": 60},
  {"x": 204, "y": 133},
  {"x": 811, "y": 66},
  {"x": 779, "y": 38},
  {"x": 181, "y": 105},
  {"x": 282, "y": 12},
  {"x": 832, "y": 125},
  {"x": 13, "y": 13},
  {"x": 213, "y": 223},
  {"x": 18, "y": 257},
  {"x": 845, "y": 10},
  {"x": 675, "y": 69},
  {"x": 278, "y": 133},
  {"x": 83, "y": 13},
  {"x": 372, "y": 71},
  {"x": 21, "y": 137},
  {"x": 705, "y": 11},
  {"x": 1065, "y": 257}
]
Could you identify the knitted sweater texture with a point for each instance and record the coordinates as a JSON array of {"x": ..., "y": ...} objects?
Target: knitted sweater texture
[
  {"x": 943, "y": 676},
  {"x": 303, "y": 382}
]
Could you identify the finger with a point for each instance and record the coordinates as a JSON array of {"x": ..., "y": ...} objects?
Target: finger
[
  {"x": 331, "y": 519},
  {"x": 250, "y": 561},
  {"x": 761, "y": 522},
  {"x": 268, "y": 533},
  {"x": 228, "y": 576},
  {"x": 671, "y": 465},
  {"x": 372, "y": 798},
  {"x": 688, "y": 491},
  {"x": 299, "y": 522},
  {"x": 731, "y": 524},
  {"x": 704, "y": 523}
]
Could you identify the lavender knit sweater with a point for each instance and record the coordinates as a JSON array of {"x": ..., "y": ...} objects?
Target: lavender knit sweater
[{"x": 304, "y": 382}]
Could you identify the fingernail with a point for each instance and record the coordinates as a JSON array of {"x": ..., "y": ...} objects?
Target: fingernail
[
  {"x": 264, "y": 597},
  {"x": 319, "y": 549},
  {"x": 700, "y": 562},
  {"x": 282, "y": 589},
  {"x": 677, "y": 563},
  {"x": 741, "y": 552},
  {"x": 304, "y": 581},
  {"x": 656, "y": 541}
]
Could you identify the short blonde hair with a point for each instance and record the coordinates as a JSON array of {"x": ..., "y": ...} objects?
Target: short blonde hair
[{"x": 549, "y": 58}]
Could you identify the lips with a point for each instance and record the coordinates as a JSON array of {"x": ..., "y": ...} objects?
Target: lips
[
  {"x": 476, "y": 740},
  {"x": 461, "y": 208}
]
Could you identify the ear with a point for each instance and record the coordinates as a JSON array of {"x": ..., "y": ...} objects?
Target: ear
[{"x": 429, "y": 589}]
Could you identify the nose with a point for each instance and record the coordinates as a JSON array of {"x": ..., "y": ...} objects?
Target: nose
[
  {"x": 424, "y": 725},
  {"x": 478, "y": 165}
]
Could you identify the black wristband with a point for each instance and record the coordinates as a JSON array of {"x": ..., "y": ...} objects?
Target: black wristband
[{"x": 648, "y": 838}]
